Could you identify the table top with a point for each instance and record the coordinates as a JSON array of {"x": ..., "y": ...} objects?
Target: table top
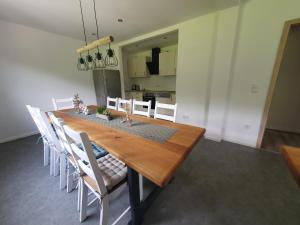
[{"x": 154, "y": 160}]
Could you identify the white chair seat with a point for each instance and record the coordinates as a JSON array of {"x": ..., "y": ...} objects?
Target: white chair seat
[{"x": 113, "y": 170}]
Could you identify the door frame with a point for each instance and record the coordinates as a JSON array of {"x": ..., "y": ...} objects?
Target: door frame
[{"x": 279, "y": 57}]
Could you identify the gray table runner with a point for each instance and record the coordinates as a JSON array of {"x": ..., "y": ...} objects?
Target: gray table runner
[{"x": 145, "y": 130}]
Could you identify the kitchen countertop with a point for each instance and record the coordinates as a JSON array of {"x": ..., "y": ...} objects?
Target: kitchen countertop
[{"x": 151, "y": 91}]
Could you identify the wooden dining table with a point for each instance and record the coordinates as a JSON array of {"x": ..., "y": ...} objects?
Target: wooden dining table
[{"x": 154, "y": 160}]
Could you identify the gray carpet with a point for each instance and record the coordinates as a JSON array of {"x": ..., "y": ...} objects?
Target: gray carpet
[{"x": 219, "y": 184}]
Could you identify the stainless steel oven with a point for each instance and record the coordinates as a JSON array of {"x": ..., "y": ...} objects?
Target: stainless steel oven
[{"x": 149, "y": 96}]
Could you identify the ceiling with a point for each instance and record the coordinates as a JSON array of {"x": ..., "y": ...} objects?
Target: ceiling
[
  {"x": 157, "y": 41},
  {"x": 139, "y": 16}
]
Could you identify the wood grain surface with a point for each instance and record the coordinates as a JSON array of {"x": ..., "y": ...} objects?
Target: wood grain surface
[{"x": 155, "y": 161}]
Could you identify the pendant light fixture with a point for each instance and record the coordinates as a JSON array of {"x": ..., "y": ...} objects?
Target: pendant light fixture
[
  {"x": 90, "y": 63},
  {"x": 110, "y": 58},
  {"x": 81, "y": 64},
  {"x": 99, "y": 62}
]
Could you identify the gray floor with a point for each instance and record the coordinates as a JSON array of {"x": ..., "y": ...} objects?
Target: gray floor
[
  {"x": 219, "y": 183},
  {"x": 274, "y": 139}
]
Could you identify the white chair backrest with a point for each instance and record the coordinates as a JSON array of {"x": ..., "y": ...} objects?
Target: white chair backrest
[
  {"x": 162, "y": 111},
  {"x": 138, "y": 108},
  {"x": 112, "y": 103},
  {"x": 86, "y": 159},
  {"x": 63, "y": 103},
  {"x": 36, "y": 119},
  {"x": 58, "y": 126},
  {"x": 124, "y": 105},
  {"x": 44, "y": 126}
]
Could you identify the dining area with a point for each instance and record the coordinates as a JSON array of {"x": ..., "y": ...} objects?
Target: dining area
[
  {"x": 95, "y": 155},
  {"x": 147, "y": 112},
  {"x": 135, "y": 169}
]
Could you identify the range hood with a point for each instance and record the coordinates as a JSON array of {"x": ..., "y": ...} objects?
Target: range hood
[{"x": 153, "y": 66}]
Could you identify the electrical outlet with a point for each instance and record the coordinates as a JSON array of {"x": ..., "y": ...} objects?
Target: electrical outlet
[
  {"x": 185, "y": 117},
  {"x": 247, "y": 126}
]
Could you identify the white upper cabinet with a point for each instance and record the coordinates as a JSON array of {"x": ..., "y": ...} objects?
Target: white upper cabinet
[
  {"x": 167, "y": 63},
  {"x": 137, "y": 67}
]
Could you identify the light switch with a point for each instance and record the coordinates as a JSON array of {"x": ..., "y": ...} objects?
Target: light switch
[{"x": 254, "y": 88}]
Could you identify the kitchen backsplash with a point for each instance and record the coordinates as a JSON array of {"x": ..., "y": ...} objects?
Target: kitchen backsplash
[{"x": 165, "y": 83}]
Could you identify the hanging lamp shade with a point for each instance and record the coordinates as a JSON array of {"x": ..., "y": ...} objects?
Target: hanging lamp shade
[
  {"x": 81, "y": 64},
  {"x": 90, "y": 63},
  {"x": 110, "y": 58},
  {"x": 99, "y": 61}
]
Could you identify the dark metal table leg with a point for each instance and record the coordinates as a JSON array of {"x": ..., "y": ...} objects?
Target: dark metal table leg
[{"x": 134, "y": 197}]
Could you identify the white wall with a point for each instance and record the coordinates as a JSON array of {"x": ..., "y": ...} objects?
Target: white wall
[
  {"x": 217, "y": 79},
  {"x": 36, "y": 66},
  {"x": 225, "y": 63},
  {"x": 195, "y": 49},
  {"x": 285, "y": 107},
  {"x": 259, "y": 31},
  {"x": 220, "y": 76}
]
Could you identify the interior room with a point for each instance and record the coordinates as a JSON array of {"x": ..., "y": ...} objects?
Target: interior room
[
  {"x": 149, "y": 112},
  {"x": 283, "y": 125}
]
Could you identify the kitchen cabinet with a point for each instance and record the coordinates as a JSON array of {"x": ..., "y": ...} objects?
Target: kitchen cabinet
[
  {"x": 167, "y": 63},
  {"x": 137, "y": 67}
]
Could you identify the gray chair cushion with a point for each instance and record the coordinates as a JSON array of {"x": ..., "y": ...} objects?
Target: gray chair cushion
[{"x": 113, "y": 170}]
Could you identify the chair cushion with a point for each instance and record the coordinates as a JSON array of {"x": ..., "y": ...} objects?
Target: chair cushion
[
  {"x": 113, "y": 170},
  {"x": 98, "y": 151}
]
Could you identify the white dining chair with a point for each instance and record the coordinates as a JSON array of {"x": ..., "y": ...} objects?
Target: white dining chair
[
  {"x": 141, "y": 108},
  {"x": 138, "y": 109},
  {"x": 42, "y": 131},
  {"x": 124, "y": 105},
  {"x": 62, "y": 103},
  {"x": 112, "y": 103},
  {"x": 165, "y": 111},
  {"x": 70, "y": 171},
  {"x": 101, "y": 177},
  {"x": 50, "y": 140}
]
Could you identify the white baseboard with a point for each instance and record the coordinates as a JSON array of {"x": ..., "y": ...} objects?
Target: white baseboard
[
  {"x": 3, "y": 140},
  {"x": 239, "y": 141},
  {"x": 213, "y": 138}
]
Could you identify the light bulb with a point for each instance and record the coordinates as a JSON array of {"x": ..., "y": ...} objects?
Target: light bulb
[
  {"x": 81, "y": 65},
  {"x": 99, "y": 62},
  {"x": 110, "y": 58},
  {"x": 90, "y": 62}
]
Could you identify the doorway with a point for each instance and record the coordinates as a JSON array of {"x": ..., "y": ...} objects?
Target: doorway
[{"x": 281, "y": 121}]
